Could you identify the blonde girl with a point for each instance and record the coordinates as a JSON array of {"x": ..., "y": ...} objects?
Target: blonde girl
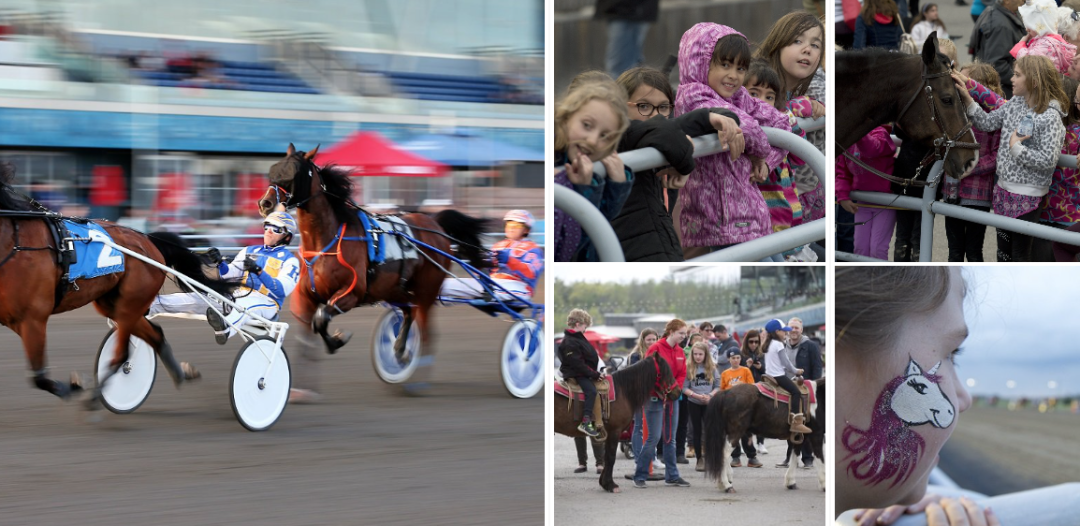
[
  {"x": 702, "y": 382},
  {"x": 589, "y": 121},
  {"x": 1025, "y": 163}
]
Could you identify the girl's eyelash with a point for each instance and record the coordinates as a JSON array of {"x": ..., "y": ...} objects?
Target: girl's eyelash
[{"x": 952, "y": 356}]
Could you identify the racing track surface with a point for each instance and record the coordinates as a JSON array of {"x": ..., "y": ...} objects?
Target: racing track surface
[{"x": 467, "y": 453}]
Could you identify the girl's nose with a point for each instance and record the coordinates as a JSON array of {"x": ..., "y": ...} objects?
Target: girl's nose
[{"x": 963, "y": 398}]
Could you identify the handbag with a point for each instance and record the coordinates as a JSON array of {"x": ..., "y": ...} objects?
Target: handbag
[{"x": 907, "y": 42}]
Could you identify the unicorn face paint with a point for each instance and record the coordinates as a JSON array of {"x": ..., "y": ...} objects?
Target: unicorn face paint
[{"x": 889, "y": 449}]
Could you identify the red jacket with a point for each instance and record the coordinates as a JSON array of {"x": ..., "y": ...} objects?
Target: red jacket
[{"x": 674, "y": 356}]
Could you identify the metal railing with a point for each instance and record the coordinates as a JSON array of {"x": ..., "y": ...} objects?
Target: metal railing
[
  {"x": 1051, "y": 506},
  {"x": 600, "y": 232},
  {"x": 929, "y": 207},
  {"x": 489, "y": 239}
]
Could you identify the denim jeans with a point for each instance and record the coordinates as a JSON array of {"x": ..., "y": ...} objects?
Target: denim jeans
[
  {"x": 626, "y": 40},
  {"x": 656, "y": 414}
]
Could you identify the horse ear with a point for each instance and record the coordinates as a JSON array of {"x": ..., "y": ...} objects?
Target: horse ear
[
  {"x": 913, "y": 368},
  {"x": 311, "y": 155},
  {"x": 930, "y": 49},
  {"x": 290, "y": 151}
]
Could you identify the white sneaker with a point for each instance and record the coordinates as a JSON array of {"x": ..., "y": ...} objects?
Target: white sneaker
[
  {"x": 761, "y": 449},
  {"x": 657, "y": 464}
]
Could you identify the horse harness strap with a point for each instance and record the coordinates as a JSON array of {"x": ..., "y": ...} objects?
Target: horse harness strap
[{"x": 64, "y": 248}]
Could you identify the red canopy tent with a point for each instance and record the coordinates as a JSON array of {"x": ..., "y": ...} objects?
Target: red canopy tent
[{"x": 371, "y": 154}]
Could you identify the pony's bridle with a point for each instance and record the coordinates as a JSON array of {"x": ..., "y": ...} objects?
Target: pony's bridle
[{"x": 942, "y": 144}]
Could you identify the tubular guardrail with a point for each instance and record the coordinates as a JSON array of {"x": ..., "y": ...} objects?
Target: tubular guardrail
[
  {"x": 539, "y": 240},
  {"x": 929, "y": 207},
  {"x": 650, "y": 158},
  {"x": 1050, "y": 506}
]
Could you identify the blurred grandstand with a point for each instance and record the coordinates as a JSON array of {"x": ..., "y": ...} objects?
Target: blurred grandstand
[{"x": 170, "y": 114}]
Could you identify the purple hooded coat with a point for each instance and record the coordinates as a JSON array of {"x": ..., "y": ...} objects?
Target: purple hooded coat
[{"x": 720, "y": 204}]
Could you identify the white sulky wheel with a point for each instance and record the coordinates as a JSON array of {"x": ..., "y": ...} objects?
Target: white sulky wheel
[
  {"x": 257, "y": 389},
  {"x": 522, "y": 359},
  {"x": 126, "y": 390},
  {"x": 387, "y": 366}
]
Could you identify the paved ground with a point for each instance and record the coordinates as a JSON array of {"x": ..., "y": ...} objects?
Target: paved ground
[
  {"x": 466, "y": 454},
  {"x": 580, "y": 499},
  {"x": 994, "y": 451}
]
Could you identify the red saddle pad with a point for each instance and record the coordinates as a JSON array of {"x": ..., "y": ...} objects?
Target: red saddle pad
[{"x": 561, "y": 389}]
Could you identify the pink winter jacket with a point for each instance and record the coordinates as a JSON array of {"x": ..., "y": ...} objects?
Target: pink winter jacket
[
  {"x": 1051, "y": 46},
  {"x": 877, "y": 150},
  {"x": 720, "y": 206}
]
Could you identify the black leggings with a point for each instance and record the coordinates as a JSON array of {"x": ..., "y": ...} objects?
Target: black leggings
[
  {"x": 582, "y": 454},
  {"x": 697, "y": 413},
  {"x": 796, "y": 397}
]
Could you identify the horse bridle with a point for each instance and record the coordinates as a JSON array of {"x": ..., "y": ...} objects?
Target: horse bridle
[{"x": 942, "y": 144}]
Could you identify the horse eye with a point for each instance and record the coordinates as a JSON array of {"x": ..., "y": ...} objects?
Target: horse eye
[
  {"x": 946, "y": 100},
  {"x": 918, "y": 387}
]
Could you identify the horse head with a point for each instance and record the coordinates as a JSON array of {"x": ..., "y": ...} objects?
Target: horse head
[
  {"x": 918, "y": 399},
  {"x": 935, "y": 115},
  {"x": 666, "y": 379},
  {"x": 292, "y": 181}
]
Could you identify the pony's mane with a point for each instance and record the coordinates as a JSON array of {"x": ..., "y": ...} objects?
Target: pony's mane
[
  {"x": 888, "y": 450},
  {"x": 9, "y": 200},
  {"x": 636, "y": 382}
]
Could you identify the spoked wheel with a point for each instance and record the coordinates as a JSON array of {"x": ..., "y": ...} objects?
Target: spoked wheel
[
  {"x": 389, "y": 368},
  {"x": 522, "y": 358},
  {"x": 126, "y": 390},
  {"x": 259, "y": 385}
]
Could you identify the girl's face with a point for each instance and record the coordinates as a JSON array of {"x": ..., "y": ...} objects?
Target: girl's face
[
  {"x": 753, "y": 342},
  {"x": 726, "y": 78},
  {"x": 651, "y": 339},
  {"x": 931, "y": 14},
  {"x": 677, "y": 336},
  {"x": 800, "y": 59},
  {"x": 761, "y": 92},
  {"x": 647, "y": 102},
  {"x": 1019, "y": 81},
  {"x": 909, "y": 399},
  {"x": 591, "y": 129},
  {"x": 699, "y": 356}
]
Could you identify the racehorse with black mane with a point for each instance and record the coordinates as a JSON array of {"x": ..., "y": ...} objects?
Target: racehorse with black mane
[
  {"x": 743, "y": 409},
  {"x": 32, "y": 287},
  {"x": 338, "y": 272},
  {"x": 633, "y": 386},
  {"x": 917, "y": 92}
]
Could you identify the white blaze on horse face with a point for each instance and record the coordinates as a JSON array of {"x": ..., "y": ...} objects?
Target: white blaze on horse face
[{"x": 918, "y": 400}]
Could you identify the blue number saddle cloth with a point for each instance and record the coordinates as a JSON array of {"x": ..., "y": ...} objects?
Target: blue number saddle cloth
[{"x": 92, "y": 257}]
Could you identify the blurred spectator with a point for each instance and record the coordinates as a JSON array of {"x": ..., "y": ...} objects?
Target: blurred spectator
[{"x": 628, "y": 23}]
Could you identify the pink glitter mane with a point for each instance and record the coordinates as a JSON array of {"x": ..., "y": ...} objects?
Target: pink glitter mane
[{"x": 889, "y": 448}]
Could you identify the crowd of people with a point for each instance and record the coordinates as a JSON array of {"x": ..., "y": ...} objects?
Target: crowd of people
[
  {"x": 727, "y": 85},
  {"x": 705, "y": 360},
  {"x": 1021, "y": 93}
]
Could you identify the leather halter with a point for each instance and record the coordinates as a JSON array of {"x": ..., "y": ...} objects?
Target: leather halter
[{"x": 942, "y": 144}]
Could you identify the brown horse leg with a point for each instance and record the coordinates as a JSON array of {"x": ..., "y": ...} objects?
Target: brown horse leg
[
  {"x": 32, "y": 332},
  {"x": 152, "y": 333},
  {"x": 607, "y": 481},
  {"x": 403, "y": 336}
]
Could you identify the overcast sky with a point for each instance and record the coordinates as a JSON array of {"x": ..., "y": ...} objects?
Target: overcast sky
[{"x": 1024, "y": 325}]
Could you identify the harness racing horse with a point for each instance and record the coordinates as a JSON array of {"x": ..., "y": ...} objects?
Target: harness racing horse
[
  {"x": 31, "y": 287},
  {"x": 743, "y": 409},
  {"x": 633, "y": 386},
  {"x": 916, "y": 92},
  {"x": 338, "y": 273}
]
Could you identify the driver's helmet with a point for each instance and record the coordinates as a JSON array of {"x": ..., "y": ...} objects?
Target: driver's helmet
[
  {"x": 520, "y": 216},
  {"x": 283, "y": 220}
]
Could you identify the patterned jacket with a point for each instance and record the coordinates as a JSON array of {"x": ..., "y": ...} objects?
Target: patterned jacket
[
  {"x": 720, "y": 204},
  {"x": 522, "y": 260},
  {"x": 281, "y": 271},
  {"x": 1024, "y": 170}
]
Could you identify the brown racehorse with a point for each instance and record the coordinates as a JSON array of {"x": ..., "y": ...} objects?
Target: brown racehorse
[
  {"x": 337, "y": 273},
  {"x": 30, "y": 275},
  {"x": 743, "y": 409},
  {"x": 633, "y": 387}
]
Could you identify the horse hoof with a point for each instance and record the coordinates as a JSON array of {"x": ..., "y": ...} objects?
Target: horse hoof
[
  {"x": 190, "y": 372},
  {"x": 337, "y": 341},
  {"x": 793, "y": 486},
  {"x": 75, "y": 383},
  {"x": 730, "y": 490},
  {"x": 616, "y": 490}
]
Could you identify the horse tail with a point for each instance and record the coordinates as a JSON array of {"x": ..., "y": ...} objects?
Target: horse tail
[
  {"x": 466, "y": 232},
  {"x": 714, "y": 433},
  {"x": 186, "y": 262}
]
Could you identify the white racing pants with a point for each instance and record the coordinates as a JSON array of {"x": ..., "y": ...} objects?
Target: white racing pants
[
  {"x": 195, "y": 303},
  {"x": 470, "y": 288}
]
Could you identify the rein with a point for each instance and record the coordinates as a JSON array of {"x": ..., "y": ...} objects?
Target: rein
[{"x": 942, "y": 144}]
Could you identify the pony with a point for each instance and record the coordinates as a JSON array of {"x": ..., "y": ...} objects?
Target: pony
[
  {"x": 633, "y": 385},
  {"x": 345, "y": 277},
  {"x": 916, "y": 92},
  {"x": 743, "y": 409},
  {"x": 889, "y": 449},
  {"x": 31, "y": 288}
]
